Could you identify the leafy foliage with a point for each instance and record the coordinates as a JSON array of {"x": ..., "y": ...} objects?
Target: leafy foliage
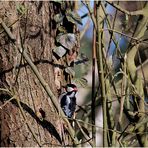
[
  {"x": 60, "y": 51},
  {"x": 70, "y": 71},
  {"x": 21, "y": 9},
  {"x": 58, "y": 18},
  {"x": 67, "y": 40},
  {"x": 73, "y": 17}
]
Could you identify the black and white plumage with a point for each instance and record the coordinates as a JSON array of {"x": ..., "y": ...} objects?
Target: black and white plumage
[{"x": 68, "y": 100}]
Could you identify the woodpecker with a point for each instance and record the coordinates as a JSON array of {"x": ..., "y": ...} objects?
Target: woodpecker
[{"x": 68, "y": 100}]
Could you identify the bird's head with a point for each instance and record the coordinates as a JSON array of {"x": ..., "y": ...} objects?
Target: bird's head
[{"x": 71, "y": 88}]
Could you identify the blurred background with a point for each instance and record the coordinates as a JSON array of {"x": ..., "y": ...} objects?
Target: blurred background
[{"x": 121, "y": 23}]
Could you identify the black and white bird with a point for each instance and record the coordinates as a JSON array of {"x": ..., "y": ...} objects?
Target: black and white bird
[{"x": 68, "y": 100}]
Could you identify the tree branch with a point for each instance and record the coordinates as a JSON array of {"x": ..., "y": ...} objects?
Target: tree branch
[{"x": 101, "y": 73}]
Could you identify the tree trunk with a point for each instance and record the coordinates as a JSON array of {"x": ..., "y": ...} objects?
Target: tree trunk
[{"x": 33, "y": 122}]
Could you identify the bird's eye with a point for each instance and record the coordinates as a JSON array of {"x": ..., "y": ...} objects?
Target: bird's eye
[{"x": 69, "y": 89}]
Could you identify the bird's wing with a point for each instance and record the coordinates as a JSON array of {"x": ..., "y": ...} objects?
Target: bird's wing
[{"x": 72, "y": 105}]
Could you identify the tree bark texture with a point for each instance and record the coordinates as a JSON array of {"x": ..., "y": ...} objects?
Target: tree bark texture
[{"x": 33, "y": 25}]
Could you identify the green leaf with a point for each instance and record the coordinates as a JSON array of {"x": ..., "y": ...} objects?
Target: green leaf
[
  {"x": 85, "y": 130},
  {"x": 58, "y": 18},
  {"x": 70, "y": 70},
  {"x": 67, "y": 40},
  {"x": 73, "y": 17},
  {"x": 59, "y": 51},
  {"x": 62, "y": 29},
  {"x": 21, "y": 9}
]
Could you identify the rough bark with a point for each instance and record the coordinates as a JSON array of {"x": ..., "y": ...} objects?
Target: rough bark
[{"x": 37, "y": 29}]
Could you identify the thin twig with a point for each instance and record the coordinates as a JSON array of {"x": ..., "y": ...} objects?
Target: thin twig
[
  {"x": 101, "y": 73},
  {"x": 111, "y": 35},
  {"x": 82, "y": 33},
  {"x": 123, "y": 90},
  {"x": 12, "y": 23},
  {"x": 5, "y": 90},
  {"x": 93, "y": 113},
  {"x": 137, "y": 12},
  {"x": 91, "y": 13},
  {"x": 96, "y": 126},
  {"x": 7, "y": 30},
  {"x": 109, "y": 25},
  {"x": 1, "y": 107},
  {"x": 84, "y": 134},
  {"x": 112, "y": 30}
]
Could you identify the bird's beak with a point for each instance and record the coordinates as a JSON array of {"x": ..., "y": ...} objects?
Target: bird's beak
[{"x": 75, "y": 89}]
